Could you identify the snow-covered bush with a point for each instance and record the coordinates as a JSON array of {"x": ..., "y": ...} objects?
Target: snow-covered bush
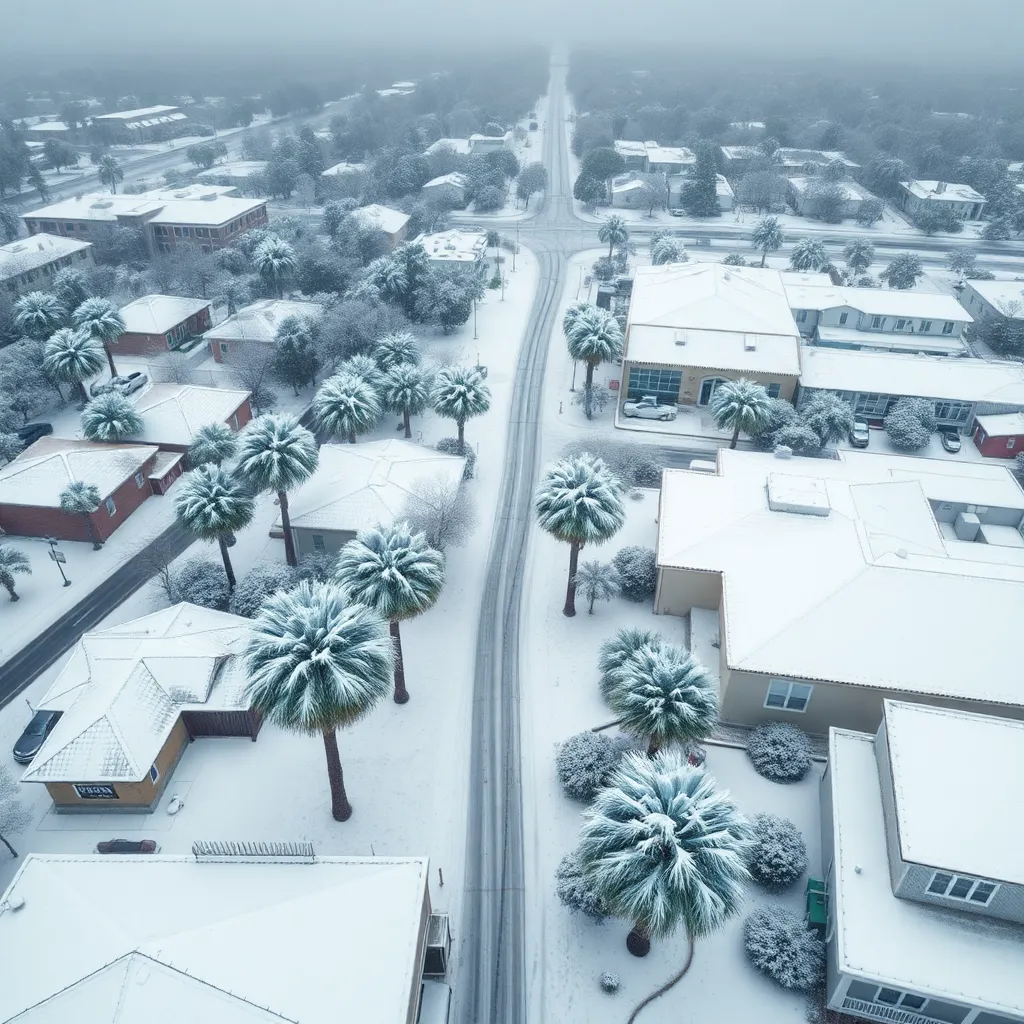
[
  {"x": 201, "y": 581},
  {"x": 910, "y": 424},
  {"x": 609, "y": 983},
  {"x": 576, "y": 891},
  {"x": 450, "y": 446},
  {"x": 778, "y": 854},
  {"x": 258, "y": 584},
  {"x": 780, "y": 752},
  {"x": 779, "y": 945},
  {"x": 317, "y": 568},
  {"x": 585, "y": 761},
  {"x": 646, "y": 473},
  {"x": 638, "y": 572}
]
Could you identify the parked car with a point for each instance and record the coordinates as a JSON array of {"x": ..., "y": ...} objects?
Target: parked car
[
  {"x": 126, "y": 385},
  {"x": 860, "y": 433},
  {"x": 677, "y": 213},
  {"x": 950, "y": 441},
  {"x": 648, "y": 408},
  {"x": 127, "y": 846},
  {"x": 31, "y": 432},
  {"x": 35, "y": 733}
]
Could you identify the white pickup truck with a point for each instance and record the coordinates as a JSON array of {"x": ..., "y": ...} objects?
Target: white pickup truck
[{"x": 648, "y": 408}]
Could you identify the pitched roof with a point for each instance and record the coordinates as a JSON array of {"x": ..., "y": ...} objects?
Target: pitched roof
[
  {"x": 124, "y": 688},
  {"x": 172, "y": 413},
  {"x": 156, "y": 314},
  {"x": 878, "y": 302},
  {"x": 383, "y": 218},
  {"x": 261, "y": 320},
  {"x": 455, "y": 178},
  {"x": 943, "y": 191},
  {"x": 36, "y": 251},
  {"x": 1005, "y": 296},
  {"x": 460, "y": 146}
]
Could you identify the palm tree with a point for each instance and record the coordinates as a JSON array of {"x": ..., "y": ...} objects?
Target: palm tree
[
  {"x": 276, "y": 454},
  {"x": 396, "y": 350},
  {"x": 82, "y": 499},
  {"x": 110, "y": 172},
  {"x": 617, "y": 650},
  {"x": 213, "y": 505},
  {"x": 212, "y": 442},
  {"x": 662, "y": 846},
  {"x": 12, "y": 562},
  {"x": 740, "y": 405},
  {"x": 72, "y": 355},
  {"x": 363, "y": 367},
  {"x": 597, "y": 581},
  {"x": 668, "y": 250},
  {"x": 71, "y": 288},
  {"x": 316, "y": 665},
  {"x": 663, "y": 695},
  {"x": 859, "y": 254},
  {"x": 572, "y": 314},
  {"x": 613, "y": 230},
  {"x": 395, "y": 572},
  {"x": 579, "y": 501},
  {"x": 112, "y": 418},
  {"x": 460, "y": 393},
  {"x": 38, "y": 314},
  {"x": 345, "y": 406},
  {"x": 274, "y": 260},
  {"x": 103, "y": 320},
  {"x": 595, "y": 337},
  {"x": 808, "y": 254},
  {"x": 405, "y": 390},
  {"x": 767, "y": 237}
]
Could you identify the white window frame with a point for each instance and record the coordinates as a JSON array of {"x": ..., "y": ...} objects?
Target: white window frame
[
  {"x": 900, "y": 324},
  {"x": 786, "y": 687},
  {"x": 111, "y": 506},
  {"x": 1011, "y": 443},
  {"x": 926, "y": 325},
  {"x": 139, "y": 479},
  {"x": 877, "y": 323},
  {"x": 947, "y": 327},
  {"x": 953, "y": 879},
  {"x": 843, "y": 317}
]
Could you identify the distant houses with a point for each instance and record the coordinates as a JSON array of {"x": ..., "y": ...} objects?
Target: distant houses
[{"x": 961, "y": 201}]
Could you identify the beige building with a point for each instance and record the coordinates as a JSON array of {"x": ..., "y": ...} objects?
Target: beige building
[
  {"x": 839, "y": 583},
  {"x": 392, "y": 223},
  {"x": 30, "y": 264},
  {"x": 692, "y": 326}
]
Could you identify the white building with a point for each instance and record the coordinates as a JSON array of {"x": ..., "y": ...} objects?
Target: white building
[
  {"x": 342, "y": 169},
  {"x": 723, "y": 190},
  {"x": 987, "y": 299},
  {"x": 802, "y": 191},
  {"x": 491, "y": 143},
  {"x": 139, "y": 124},
  {"x": 461, "y": 248},
  {"x": 30, "y": 264},
  {"x": 961, "y": 200},
  {"x": 461, "y": 147},
  {"x": 451, "y": 185},
  {"x": 392, "y": 223}
]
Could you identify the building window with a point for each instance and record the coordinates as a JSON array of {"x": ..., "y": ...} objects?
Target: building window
[
  {"x": 947, "y": 327},
  {"x": 169, "y": 338},
  {"x": 1011, "y": 443},
  {"x": 926, "y": 325},
  {"x": 202, "y": 233},
  {"x": 225, "y": 348},
  {"x": 110, "y": 506},
  {"x": 644, "y": 380},
  {"x": 773, "y": 389},
  {"x": 888, "y": 996},
  {"x": 234, "y": 421},
  {"x": 318, "y": 542},
  {"x": 787, "y": 696},
  {"x": 139, "y": 479},
  {"x": 900, "y": 324},
  {"x": 708, "y": 387},
  {"x": 871, "y": 404},
  {"x": 69, "y": 227},
  {"x": 960, "y": 887},
  {"x": 161, "y": 231},
  {"x": 877, "y": 322},
  {"x": 801, "y": 316},
  {"x": 843, "y": 317},
  {"x": 154, "y": 774},
  {"x": 956, "y": 412},
  {"x": 165, "y": 247},
  {"x": 177, "y": 232}
]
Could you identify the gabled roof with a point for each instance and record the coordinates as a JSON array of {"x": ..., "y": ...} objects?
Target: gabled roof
[
  {"x": 460, "y": 146},
  {"x": 455, "y": 178},
  {"x": 260, "y": 320},
  {"x": 124, "y": 689},
  {"x": 157, "y": 314},
  {"x": 383, "y": 218},
  {"x": 943, "y": 191},
  {"x": 172, "y": 413}
]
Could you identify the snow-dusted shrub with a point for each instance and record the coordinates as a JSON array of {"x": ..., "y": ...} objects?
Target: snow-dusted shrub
[
  {"x": 780, "y": 752},
  {"x": 450, "y": 446},
  {"x": 778, "y": 854},
  {"x": 201, "y": 581},
  {"x": 646, "y": 472},
  {"x": 638, "y": 572},
  {"x": 576, "y": 891},
  {"x": 585, "y": 761},
  {"x": 258, "y": 584},
  {"x": 1018, "y": 465},
  {"x": 317, "y": 568},
  {"x": 779, "y": 945},
  {"x": 910, "y": 424},
  {"x": 609, "y": 983}
]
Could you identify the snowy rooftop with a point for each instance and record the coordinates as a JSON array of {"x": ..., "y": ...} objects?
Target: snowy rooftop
[
  {"x": 927, "y": 781},
  {"x": 39, "y": 474},
  {"x": 739, "y": 152},
  {"x": 344, "y": 167},
  {"x": 967, "y": 958},
  {"x": 233, "y": 169},
  {"x": 722, "y": 186},
  {"x": 456, "y": 178},
  {"x": 850, "y": 189},
  {"x": 1006, "y": 296},
  {"x": 943, "y": 191},
  {"x": 795, "y": 581},
  {"x": 172, "y": 413},
  {"x": 383, "y": 218},
  {"x": 156, "y": 314},
  {"x": 136, "y": 115},
  {"x": 965, "y": 380},
  {"x": 1007, "y": 424},
  {"x": 910, "y": 342},
  {"x": 160, "y": 940},
  {"x": 878, "y": 302},
  {"x": 36, "y": 251},
  {"x": 454, "y": 246},
  {"x": 714, "y": 350},
  {"x": 460, "y": 146},
  {"x": 796, "y": 157},
  {"x": 669, "y": 154},
  {"x": 260, "y": 321},
  {"x": 124, "y": 689},
  {"x": 357, "y": 486}
]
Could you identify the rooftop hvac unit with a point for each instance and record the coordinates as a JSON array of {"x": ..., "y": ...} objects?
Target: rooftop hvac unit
[{"x": 439, "y": 944}]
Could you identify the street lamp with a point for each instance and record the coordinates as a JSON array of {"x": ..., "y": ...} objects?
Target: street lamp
[{"x": 58, "y": 556}]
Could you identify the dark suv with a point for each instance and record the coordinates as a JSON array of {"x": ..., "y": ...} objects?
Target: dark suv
[{"x": 35, "y": 733}]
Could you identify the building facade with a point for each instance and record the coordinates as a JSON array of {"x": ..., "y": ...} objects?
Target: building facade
[
  {"x": 30, "y": 264},
  {"x": 962, "y": 201},
  {"x": 1000, "y": 436},
  {"x": 254, "y": 327},
  {"x": 156, "y": 324}
]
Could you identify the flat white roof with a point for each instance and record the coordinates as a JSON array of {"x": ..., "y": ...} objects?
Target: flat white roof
[
  {"x": 878, "y": 302},
  {"x": 922, "y": 949},
  {"x": 1007, "y": 424},
  {"x": 894, "y": 341},
  {"x": 460, "y": 146},
  {"x": 1005, "y": 296},
  {"x": 233, "y": 169},
  {"x": 158, "y": 939},
  {"x": 850, "y": 189},
  {"x": 927, "y": 782},
  {"x": 336, "y": 170},
  {"x": 714, "y": 350},
  {"x": 951, "y": 191},
  {"x": 194, "y": 204},
  {"x": 889, "y": 373},
  {"x": 156, "y": 314},
  {"x": 670, "y": 154},
  {"x": 454, "y": 246},
  {"x": 36, "y": 251},
  {"x": 260, "y": 320},
  {"x": 136, "y": 115},
  {"x": 739, "y": 152},
  {"x": 172, "y": 413},
  {"x": 380, "y": 217}
]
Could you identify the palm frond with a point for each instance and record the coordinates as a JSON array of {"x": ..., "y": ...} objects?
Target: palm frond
[
  {"x": 617, "y": 650},
  {"x": 405, "y": 389},
  {"x": 100, "y": 317},
  {"x": 346, "y": 405},
  {"x": 276, "y": 453},
  {"x": 212, "y": 442},
  {"x": 111, "y": 418},
  {"x": 742, "y": 403},
  {"x": 396, "y": 350},
  {"x": 460, "y": 393},
  {"x": 210, "y": 503},
  {"x": 579, "y": 499},
  {"x": 80, "y": 498},
  {"x": 73, "y": 355}
]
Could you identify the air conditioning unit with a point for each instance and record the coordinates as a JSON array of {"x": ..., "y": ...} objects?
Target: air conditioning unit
[{"x": 439, "y": 944}]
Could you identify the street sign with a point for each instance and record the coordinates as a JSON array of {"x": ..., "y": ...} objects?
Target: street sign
[{"x": 57, "y": 556}]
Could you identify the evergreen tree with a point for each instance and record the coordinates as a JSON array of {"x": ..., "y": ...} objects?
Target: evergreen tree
[
  {"x": 767, "y": 236},
  {"x": 700, "y": 196}
]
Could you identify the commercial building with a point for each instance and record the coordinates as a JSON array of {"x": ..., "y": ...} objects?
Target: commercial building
[
  {"x": 1000, "y": 436},
  {"x": 989, "y": 299},
  {"x": 160, "y": 323},
  {"x": 256, "y": 324},
  {"x": 460, "y": 248},
  {"x": 391, "y": 223},
  {"x": 916, "y": 197},
  {"x": 840, "y": 583},
  {"x": 924, "y": 918},
  {"x": 692, "y": 326},
  {"x": 138, "y": 125},
  {"x": 483, "y": 144},
  {"x": 30, "y": 264},
  {"x": 173, "y": 413},
  {"x": 650, "y": 157},
  {"x": 804, "y": 194}
]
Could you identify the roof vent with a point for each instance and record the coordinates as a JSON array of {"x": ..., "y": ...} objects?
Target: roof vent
[
  {"x": 102, "y": 204},
  {"x": 680, "y": 337},
  {"x": 726, "y": 276},
  {"x": 749, "y": 343},
  {"x": 800, "y": 495},
  {"x": 901, "y": 552}
]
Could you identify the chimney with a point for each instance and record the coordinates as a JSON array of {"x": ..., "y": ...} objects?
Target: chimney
[{"x": 940, "y": 187}]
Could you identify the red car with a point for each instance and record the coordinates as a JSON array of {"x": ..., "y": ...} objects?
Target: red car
[{"x": 127, "y": 846}]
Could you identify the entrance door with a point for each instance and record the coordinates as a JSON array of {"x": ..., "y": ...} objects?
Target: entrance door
[{"x": 707, "y": 389}]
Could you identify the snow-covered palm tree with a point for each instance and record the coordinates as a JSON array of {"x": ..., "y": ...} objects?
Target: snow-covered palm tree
[
  {"x": 597, "y": 581},
  {"x": 665, "y": 696},
  {"x": 213, "y": 505},
  {"x": 668, "y": 250},
  {"x": 459, "y": 393},
  {"x": 345, "y": 406},
  {"x": 111, "y": 417},
  {"x": 594, "y": 338},
  {"x": 12, "y": 563},
  {"x": 73, "y": 356},
  {"x": 613, "y": 230},
  {"x": 767, "y": 237},
  {"x": 212, "y": 442},
  {"x": 393, "y": 350},
  {"x": 808, "y": 254},
  {"x": 405, "y": 390},
  {"x": 275, "y": 260},
  {"x": 572, "y": 314},
  {"x": 110, "y": 172},
  {"x": 662, "y": 846},
  {"x": 276, "y": 453},
  {"x": 740, "y": 405},
  {"x": 363, "y": 367},
  {"x": 82, "y": 499},
  {"x": 617, "y": 650},
  {"x": 38, "y": 314},
  {"x": 103, "y": 320},
  {"x": 395, "y": 572},
  {"x": 579, "y": 501},
  {"x": 317, "y": 665}
]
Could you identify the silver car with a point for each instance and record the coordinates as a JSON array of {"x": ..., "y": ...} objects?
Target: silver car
[{"x": 648, "y": 408}]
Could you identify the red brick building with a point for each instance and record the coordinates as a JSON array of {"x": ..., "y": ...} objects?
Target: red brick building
[
  {"x": 1001, "y": 435},
  {"x": 160, "y": 323},
  {"x": 172, "y": 413},
  {"x": 254, "y": 325}
]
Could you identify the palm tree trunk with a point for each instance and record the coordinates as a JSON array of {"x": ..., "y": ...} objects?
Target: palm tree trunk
[
  {"x": 286, "y": 524},
  {"x": 764, "y": 256},
  {"x": 611, "y": 246},
  {"x": 351, "y": 437},
  {"x": 96, "y": 543},
  {"x": 110, "y": 358},
  {"x": 9, "y": 587},
  {"x": 638, "y": 941},
  {"x": 570, "y": 589},
  {"x": 228, "y": 570},
  {"x": 593, "y": 598},
  {"x": 401, "y": 693},
  {"x": 3, "y": 839},
  {"x": 341, "y": 809},
  {"x": 406, "y": 423},
  {"x": 735, "y": 436},
  {"x": 82, "y": 393},
  {"x": 461, "y": 424},
  {"x": 653, "y": 746},
  {"x": 590, "y": 373}
]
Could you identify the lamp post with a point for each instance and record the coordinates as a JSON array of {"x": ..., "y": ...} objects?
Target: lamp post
[
  {"x": 474, "y": 320},
  {"x": 58, "y": 556}
]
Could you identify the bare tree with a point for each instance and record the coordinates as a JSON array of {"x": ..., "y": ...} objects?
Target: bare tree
[
  {"x": 443, "y": 510},
  {"x": 251, "y": 367},
  {"x": 14, "y": 816},
  {"x": 177, "y": 369}
]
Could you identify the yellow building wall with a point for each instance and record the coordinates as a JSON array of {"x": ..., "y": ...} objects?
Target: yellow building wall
[{"x": 679, "y": 590}]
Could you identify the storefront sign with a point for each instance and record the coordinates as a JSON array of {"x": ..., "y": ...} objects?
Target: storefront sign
[{"x": 97, "y": 792}]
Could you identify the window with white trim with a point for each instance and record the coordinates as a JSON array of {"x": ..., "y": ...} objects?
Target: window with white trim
[
  {"x": 877, "y": 322},
  {"x": 1011, "y": 443},
  {"x": 900, "y": 324},
  {"x": 788, "y": 696},
  {"x": 962, "y": 888},
  {"x": 926, "y": 325},
  {"x": 110, "y": 506},
  {"x": 843, "y": 317},
  {"x": 947, "y": 327},
  {"x": 139, "y": 479},
  {"x": 154, "y": 774}
]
